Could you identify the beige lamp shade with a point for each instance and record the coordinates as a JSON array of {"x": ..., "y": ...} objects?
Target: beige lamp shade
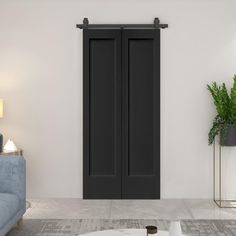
[{"x": 1, "y": 108}]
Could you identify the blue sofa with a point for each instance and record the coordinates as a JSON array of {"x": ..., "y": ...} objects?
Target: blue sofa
[{"x": 12, "y": 191}]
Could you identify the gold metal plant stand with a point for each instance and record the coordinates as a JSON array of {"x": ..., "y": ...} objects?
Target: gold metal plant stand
[{"x": 219, "y": 200}]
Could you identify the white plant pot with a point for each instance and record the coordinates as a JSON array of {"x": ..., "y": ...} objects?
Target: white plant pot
[{"x": 175, "y": 229}]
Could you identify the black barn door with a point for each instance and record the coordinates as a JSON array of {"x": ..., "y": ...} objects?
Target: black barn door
[
  {"x": 141, "y": 114},
  {"x": 122, "y": 113},
  {"x": 102, "y": 114}
]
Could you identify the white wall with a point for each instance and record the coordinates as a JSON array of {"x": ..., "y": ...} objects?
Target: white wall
[{"x": 41, "y": 83}]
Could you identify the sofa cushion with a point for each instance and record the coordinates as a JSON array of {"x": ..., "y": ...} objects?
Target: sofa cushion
[{"x": 9, "y": 206}]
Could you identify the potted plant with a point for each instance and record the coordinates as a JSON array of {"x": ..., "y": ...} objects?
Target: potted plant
[{"x": 224, "y": 124}]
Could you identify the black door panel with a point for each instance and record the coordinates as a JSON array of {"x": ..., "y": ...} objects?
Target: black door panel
[{"x": 121, "y": 114}]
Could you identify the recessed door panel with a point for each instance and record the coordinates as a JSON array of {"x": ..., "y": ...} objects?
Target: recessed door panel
[
  {"x": 102, "y": 107},
  {"x": 140, "y": 104}
]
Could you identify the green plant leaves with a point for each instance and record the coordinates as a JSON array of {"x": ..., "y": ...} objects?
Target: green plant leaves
[
  {"x": 225, "y": 107},
  {"x": 221, "y": 99},
  {"x": 215, "y": 129},
  {"x": 233, "y": 101}
]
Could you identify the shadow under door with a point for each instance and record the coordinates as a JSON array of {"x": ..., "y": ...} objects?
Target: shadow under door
[{"x": 121, "y": 114}]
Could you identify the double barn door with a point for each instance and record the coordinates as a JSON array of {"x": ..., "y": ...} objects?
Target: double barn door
[{"x": 121, "y": 114}]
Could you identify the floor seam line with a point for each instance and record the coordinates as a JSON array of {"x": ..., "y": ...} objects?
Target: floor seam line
[
  {"x": 188, "y": 209},
  {"x": 110, "y": 210}
]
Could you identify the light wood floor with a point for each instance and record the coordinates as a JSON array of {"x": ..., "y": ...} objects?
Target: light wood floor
[{"x": 126, "y": 209}]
